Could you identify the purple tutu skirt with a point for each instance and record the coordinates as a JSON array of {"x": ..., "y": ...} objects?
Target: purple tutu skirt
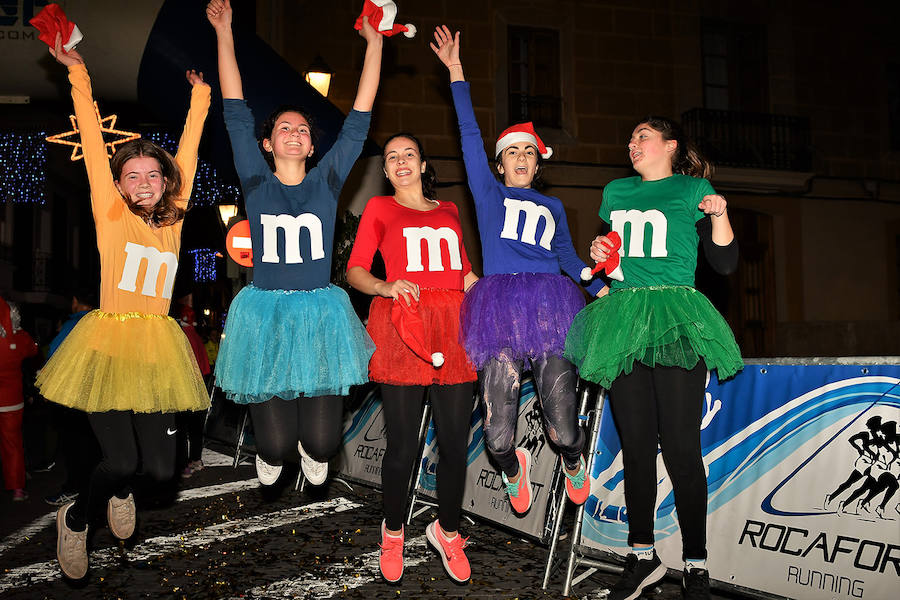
[{"x": 518, "y": 316}]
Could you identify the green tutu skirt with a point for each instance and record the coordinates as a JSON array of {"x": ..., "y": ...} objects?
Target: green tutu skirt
[{"x": 669, "y": 326}]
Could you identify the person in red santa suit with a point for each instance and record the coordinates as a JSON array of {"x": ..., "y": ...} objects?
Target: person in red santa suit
[
  {"x": 420, "y": 240},
  {"x": 15, "y": 347}
]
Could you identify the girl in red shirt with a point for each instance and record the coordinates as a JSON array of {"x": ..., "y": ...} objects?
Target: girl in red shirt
[{"x": 420, "y": 240}]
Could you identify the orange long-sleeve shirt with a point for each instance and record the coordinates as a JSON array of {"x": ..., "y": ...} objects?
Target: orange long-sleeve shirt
[{"x": 137, "y": 262}]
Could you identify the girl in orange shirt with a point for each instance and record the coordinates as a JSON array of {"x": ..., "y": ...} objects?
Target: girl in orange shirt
[{"x": 128, "y": 364}]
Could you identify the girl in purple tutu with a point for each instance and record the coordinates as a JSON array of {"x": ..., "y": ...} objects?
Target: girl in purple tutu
[{"x": 517, "y": 316}]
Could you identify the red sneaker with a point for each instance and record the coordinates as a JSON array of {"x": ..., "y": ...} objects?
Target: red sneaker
[
  {"x": 391, "y": 560},
  {"x": 455, "y": 562},
  {"x": 520, "y": 492},
  {"x": 578, "y": 486}
]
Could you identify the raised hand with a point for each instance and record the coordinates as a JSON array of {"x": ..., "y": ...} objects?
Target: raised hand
[
  {"x": 446, "y": 46},
  {"x": 65, "y": 58},
  {"x": 219, "y": 13},
  {"x": 194, "y": 77},
  {"x": 368, "y": 32}
]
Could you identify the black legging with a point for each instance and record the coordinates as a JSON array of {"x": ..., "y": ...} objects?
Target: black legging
[
  {"x": 451, "y": 408},
  {"x": 126, "y": 439},
  {"x": 664, "y": 405},
  {"x": 190, "y": 436},
  {"x": 555, "y": 381},
  {"x": 279, "y": 424},
  {"x": 78, "y": 448}
]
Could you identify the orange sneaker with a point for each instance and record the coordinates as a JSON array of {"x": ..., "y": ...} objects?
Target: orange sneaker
[
  {"x": 578, "y": 486},
  {"x": 391, "y": 559},
  {"x": 454, "y": 558},
  {"x": 520, "y": 492}
]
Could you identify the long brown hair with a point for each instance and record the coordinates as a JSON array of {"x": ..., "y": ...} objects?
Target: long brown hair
[
  {"x": 687, "y": 159},
  {"x": 429, "y": 177},
  {"x": 166, "y": 212}
]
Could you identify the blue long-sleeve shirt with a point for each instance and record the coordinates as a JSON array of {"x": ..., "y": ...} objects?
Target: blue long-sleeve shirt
[
  {"x": 522, "y": 230},
  {"x": 67, "y": 326},
  {"x": 292, "y": 226}
]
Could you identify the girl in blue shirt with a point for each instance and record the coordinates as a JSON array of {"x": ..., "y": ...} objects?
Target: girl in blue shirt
[
  {"x": 293, "y": 345},
  {"x": 516, "y": 317}
]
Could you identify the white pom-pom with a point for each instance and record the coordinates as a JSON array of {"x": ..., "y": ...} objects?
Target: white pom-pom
[
  {"x": 586, "y": 274},
  {"x": 437, "y": 359},
  {"x": 410, "y": 30},
  {"x": 13, "y": 347}
]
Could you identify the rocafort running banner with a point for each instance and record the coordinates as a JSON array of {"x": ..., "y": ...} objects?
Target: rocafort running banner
[{"x": 803, "y": 466}]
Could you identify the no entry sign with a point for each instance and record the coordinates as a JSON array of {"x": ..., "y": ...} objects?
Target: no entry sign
[{"x": 237, "y": 242}]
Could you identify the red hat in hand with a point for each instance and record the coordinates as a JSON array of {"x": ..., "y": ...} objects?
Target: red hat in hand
[
  {"x": 52, "y": 20},
  {"x": 381, "y": 15},
  {"x": 611, "y": 264},
  {"x": 409, "y": 325}
]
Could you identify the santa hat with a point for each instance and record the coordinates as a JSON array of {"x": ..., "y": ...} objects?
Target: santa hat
[
  {"x": 522, "y": 132},
  {"x": 186, "y": 315},
  {"x": 52, "y": 20},
  {"x": 381, "y": 15},
  {"x": 411, "y": 328}
]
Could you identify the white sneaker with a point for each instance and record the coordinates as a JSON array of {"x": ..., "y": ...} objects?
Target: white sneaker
[
  {"x": 316, "y": 472},
  {"x": 71, "y": 546},
  {"x": 266, "y": 473},
  {"x": 120, "y": 514}
]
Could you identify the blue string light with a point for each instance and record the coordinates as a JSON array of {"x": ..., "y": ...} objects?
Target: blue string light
[
  {"x": 204, "y": 264},
  {"x": 23, "y": 163},
  {"x": 208, "y": 187}
]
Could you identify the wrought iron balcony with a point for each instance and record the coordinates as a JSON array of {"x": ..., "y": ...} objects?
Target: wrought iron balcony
[{"x": 751, "y": 140}]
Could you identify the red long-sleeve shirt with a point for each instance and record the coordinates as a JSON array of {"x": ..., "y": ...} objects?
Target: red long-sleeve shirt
[{"x": 424, "y": 247}]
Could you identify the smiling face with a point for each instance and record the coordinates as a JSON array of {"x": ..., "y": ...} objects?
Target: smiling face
[
  {"x": 403, "y": 164},
  {"x": 650, "y": 154},
  {"x": 291, "y": 137},
  {"x": 142, "y": 181},
  {"x": 518, "y": 165}
]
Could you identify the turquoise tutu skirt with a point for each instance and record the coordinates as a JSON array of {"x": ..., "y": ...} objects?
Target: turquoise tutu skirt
[
  {"x": 669, "y": 326},
  {"x": 291, "y": 343}
]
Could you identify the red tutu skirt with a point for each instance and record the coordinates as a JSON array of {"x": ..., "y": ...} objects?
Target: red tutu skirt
[{"x": 394, "y": 363}]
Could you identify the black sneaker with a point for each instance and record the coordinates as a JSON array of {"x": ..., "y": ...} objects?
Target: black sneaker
[
  {"x": 637, "y": 576},
  {"x": 695, "y": 584}
]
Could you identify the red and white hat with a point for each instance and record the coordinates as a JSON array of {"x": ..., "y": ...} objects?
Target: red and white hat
[
  {"x": 381, "y": 15},
  {"x": 52, "y": 20},
  {"x": 522, "y": 132}
]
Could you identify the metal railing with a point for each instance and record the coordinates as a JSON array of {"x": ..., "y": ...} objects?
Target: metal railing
[{"x": 751, "y": 140}]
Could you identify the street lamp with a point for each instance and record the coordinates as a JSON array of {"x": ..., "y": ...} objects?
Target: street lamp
[
  {"x": 226, "y": 212},
  {"x": 318, "y": 75}
]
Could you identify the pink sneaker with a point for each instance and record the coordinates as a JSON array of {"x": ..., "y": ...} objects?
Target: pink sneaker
[
  {"x": 19, "y": 495},
  {"x": 578, "y": 486},
  {"x": 455, "y": 562},
  {"x": 520, "y": 492},
  {"x": 391, "y": 559}
]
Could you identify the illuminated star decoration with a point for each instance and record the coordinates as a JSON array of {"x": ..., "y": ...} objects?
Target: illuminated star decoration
[{"x": 107, "y": 125}]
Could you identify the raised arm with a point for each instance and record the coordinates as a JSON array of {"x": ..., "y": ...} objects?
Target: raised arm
[
  {"x": 193, "y": 131},
  {"x": 219, "y": 14},
  {"x": 478, "y": 167},
  {"x": 96, "y": 161},
  {"x": 371, "y": 71},
  {"x": 446, "y": 47}
]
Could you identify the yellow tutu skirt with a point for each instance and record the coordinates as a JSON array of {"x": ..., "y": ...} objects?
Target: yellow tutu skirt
[{"x": 131, "y": 361}]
